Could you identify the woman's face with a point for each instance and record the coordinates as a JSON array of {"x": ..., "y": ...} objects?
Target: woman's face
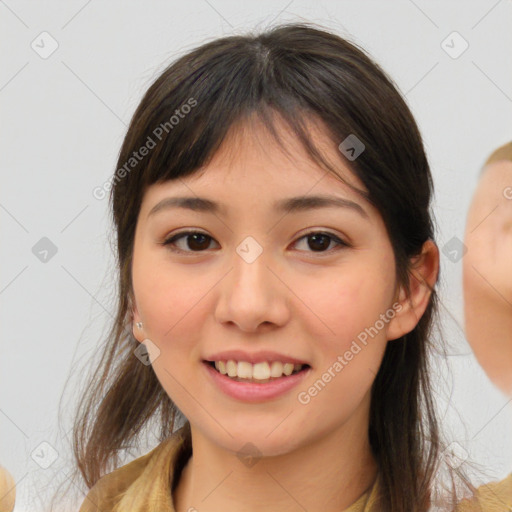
[{"x": 257, "y": 283}]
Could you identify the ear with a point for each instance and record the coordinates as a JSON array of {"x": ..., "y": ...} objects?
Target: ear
[
  {"x": 132, "y": 308},
  {"x": 422, "y": 278}
]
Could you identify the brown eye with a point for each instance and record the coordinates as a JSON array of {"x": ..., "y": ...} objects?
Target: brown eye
[
  {"x": 320, "y": 242},
  {"x": 195, "y": 242}
]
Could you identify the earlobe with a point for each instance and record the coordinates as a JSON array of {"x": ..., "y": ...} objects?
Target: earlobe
[
  {"x": 138, "y": 332},
  {"x": 136, "y": 322},
  {"x": 423, "y": 274}
]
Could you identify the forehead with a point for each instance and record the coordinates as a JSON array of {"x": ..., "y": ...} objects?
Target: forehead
[{"x": 250, "y": 148}]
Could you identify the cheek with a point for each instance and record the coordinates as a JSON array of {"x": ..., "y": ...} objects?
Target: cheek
[
  {"x": 349, "y": 343},
  {"x": 171, "y": 308},
  {"x": 346, "y": 303},
  {"x": 168, "y": 302}
]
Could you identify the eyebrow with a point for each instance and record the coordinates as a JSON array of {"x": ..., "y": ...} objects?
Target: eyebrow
[{"x": 289, "y": 205}]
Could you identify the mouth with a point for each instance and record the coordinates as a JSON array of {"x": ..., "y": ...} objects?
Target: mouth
[
  {"x": 256, "y": 382},
  {"x": 258, "y": 373}
]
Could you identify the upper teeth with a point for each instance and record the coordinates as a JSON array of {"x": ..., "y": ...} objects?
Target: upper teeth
[{"x": 259, "y": 371}]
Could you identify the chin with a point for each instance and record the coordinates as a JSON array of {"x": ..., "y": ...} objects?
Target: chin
[{"x": 257, "y": 440}]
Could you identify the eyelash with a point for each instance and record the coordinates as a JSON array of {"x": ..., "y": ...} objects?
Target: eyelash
[{"x": 168, "y": 243}]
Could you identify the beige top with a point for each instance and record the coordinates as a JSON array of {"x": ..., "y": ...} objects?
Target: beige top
[{"x": 143, "y": 485}]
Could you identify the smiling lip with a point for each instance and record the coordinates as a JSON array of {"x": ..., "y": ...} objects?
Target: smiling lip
[
  {"x": 256, "y": 357},
  {"x": 255, "y": 391}
]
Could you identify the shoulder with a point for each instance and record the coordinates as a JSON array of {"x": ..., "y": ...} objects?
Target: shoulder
[
  {"x": 148, "y": 471},
  {"x": 107, "y": 491},
  {"x": 492, "y": 497}
]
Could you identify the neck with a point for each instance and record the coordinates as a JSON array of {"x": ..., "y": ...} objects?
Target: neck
[{"x": 327, "y": 474}]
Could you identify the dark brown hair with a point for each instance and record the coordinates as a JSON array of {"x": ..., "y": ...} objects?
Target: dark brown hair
[{"x": 297, "y": 72}]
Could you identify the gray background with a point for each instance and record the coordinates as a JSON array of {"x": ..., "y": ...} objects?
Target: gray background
[{"x": 64, "y": 118}]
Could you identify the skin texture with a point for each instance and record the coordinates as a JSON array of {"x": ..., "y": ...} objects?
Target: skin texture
[
  {"x": 487, "y": 273},
  {"x": 291, "y": 299}
]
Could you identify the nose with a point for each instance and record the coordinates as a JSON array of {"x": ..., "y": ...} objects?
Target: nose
[{"x": 253, "y": 296}]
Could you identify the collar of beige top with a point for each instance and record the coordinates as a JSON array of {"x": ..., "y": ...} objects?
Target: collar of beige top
[{"x": 144, "y": 483}]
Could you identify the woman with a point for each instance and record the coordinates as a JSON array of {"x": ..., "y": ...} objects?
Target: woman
[{"x": 300, "y": 368}]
